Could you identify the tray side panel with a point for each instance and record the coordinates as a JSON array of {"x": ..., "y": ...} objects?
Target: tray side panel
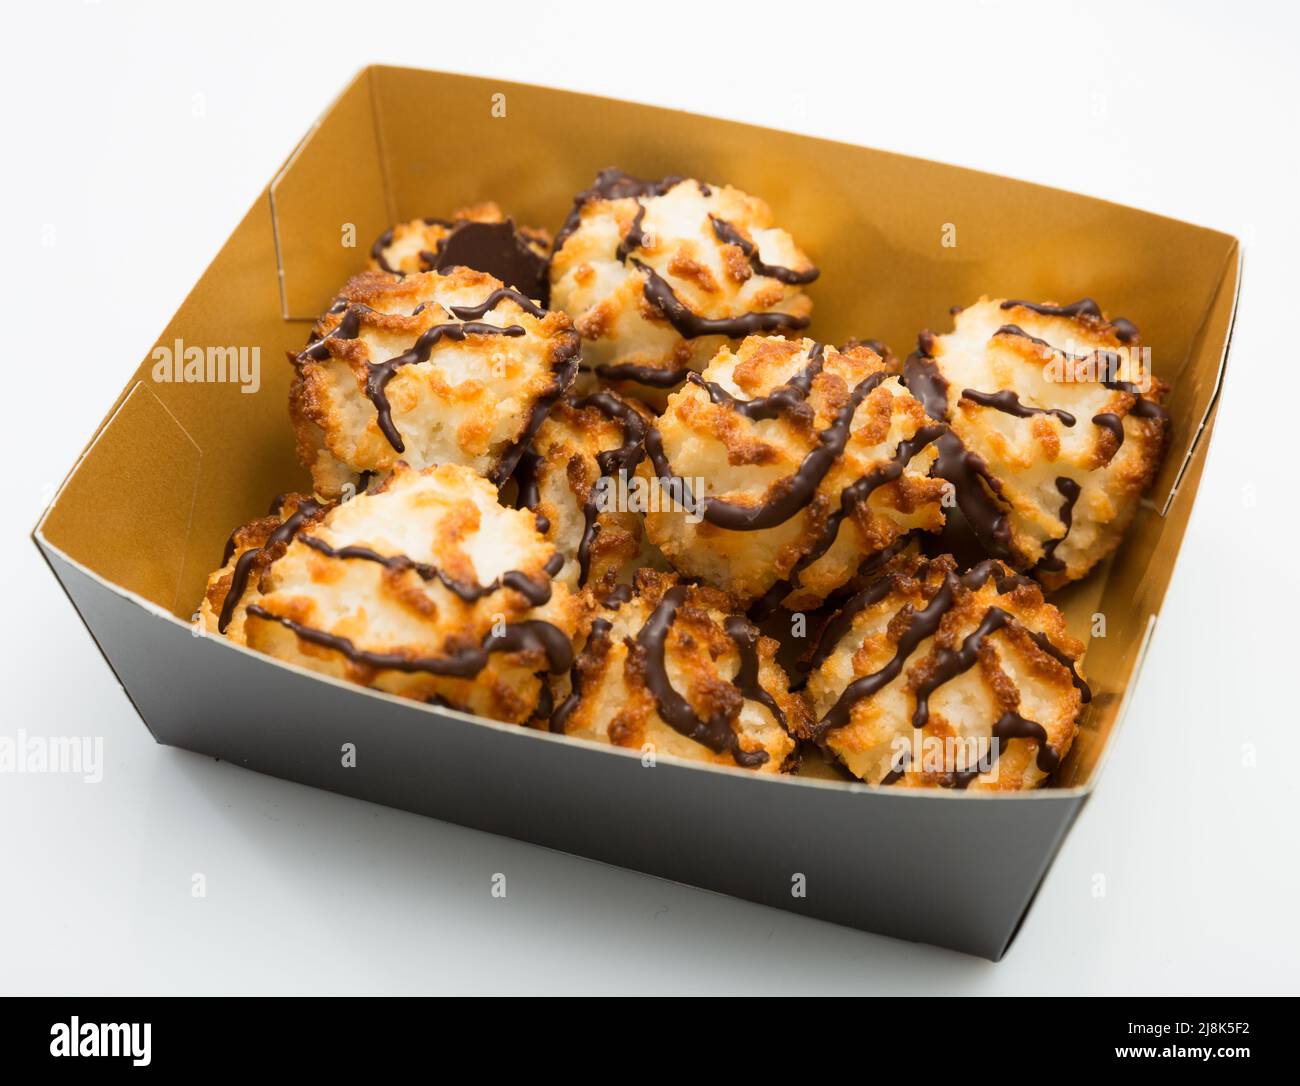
[{"x": 896, "y": 864}]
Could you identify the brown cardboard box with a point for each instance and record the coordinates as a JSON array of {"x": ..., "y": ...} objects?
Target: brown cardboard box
[{"x": 142, "y": 517}]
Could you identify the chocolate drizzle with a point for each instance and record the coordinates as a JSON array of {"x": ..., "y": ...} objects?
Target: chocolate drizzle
[
  {"x": 377, "y": 251},
  {"x": 871, "y": 565},
  {"x": 382, "y": 372},
  {"x": 1112, "y": 422},
  {"x": 789, "y": 397},
  {"x": 618, "y": 595},
  {"x": 1008, "y": 402},
  {"x": 564, "y": 368},
  {"x": 1016, "y": 330},
  {"x": 746, "y": 636},
  {"x": 729, "y": 235},
  {"x": 1142, "y": 407},
  {"x": 896, "y": 773},
  {"x": 1011, "y": 725},
  {"x": 945, "y": 664},
  {"x": 534, "y": 635},
  {"x": 949, "y": 663},
  {"x": 1069, "y": 491},
  {"x": 610, "y": 184},
  {"x": 474, "y": 312},
  {"x": 1045, "y": 643},
  {"x": 1124, "y": 330},
  {"x": 716, "y": 732},
  {"x": 536, "y": 592},
  {"x": 842, "y": 621},
  {"x": 790, "y": 494},
  {"x": 283, "y": 535},
  {"x": 651, "y": 376},
  {"x": 386, "y": 239},
  {"x": 1084, "y": 307},
  {"x": 965, "y": 470},
  {"x": 690, "y": 325},
  {"x": 349, "y": 327},
  {"x": 634, "y": 238},
  {"x": 851, "y": 497},
  {"x": 597, "y": 641},
  {"x": 924, "y": 624},
  {"x": 466, "y": 663},
  {"x": 610, "y": 463},
  {"x": 529, "y": 496}
]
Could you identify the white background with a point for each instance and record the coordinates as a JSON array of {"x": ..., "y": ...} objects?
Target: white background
[{"x": 135, "y": 138}]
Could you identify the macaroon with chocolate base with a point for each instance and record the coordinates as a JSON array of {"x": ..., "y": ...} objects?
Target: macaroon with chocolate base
[
  {"x": 933, "y": 678},
  {"x": 658, "y": 275},
  {"x": 671, "y": 669},
  {"x": 1056, "y": 430},
  {"x": 427, "y": 368},
  {"x": 816, "y": 458},
  {"x": 481, "y": 237},
  {"x": 425, "y": 586}
]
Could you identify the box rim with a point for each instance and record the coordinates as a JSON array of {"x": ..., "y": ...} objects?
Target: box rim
[{"x": 1219, "y": 373}]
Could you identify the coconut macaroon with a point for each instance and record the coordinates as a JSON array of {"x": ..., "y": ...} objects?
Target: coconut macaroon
[
  {"x": 578, "y": 478},
  {"x": 657, "y": 275},
  {"x": 931, "y": 678},
  {"x": 425, "y": 587},
  {"x": 671, "y": 668},
  {"x": 480, "y": 237},
  {"x": 427, "y": 368},
  {"x": 785, "y": 466},
  {"x": 1057, "y": 429}
]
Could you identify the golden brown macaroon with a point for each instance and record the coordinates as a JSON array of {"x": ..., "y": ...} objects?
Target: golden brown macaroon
[
  {"x": 658, "y": 275},
  {"x": 428, "y": 369},
  {"x": 479, "y": 236},
  {"x": 425, "y": 587},
  {"x": 785, "y": 466},
  {"x": 578, "y": 476},
  {"x": 931, "y": 678},
  {"x": 1057, "y": 425},
  {"x": 672, "y": 668}
]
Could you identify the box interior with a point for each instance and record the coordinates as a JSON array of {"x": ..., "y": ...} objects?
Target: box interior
[{"x": 175, "y": 467}]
